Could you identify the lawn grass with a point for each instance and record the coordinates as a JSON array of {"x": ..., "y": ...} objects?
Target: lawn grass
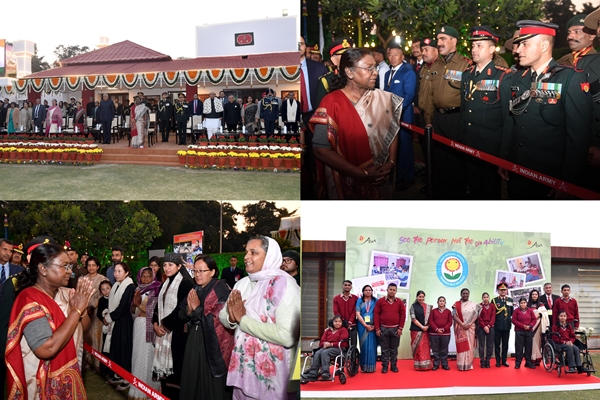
[
  {"x": 578, "y": 394},
  {"x": 98, "y": 390},
  {"x": 137, "y": 182}
]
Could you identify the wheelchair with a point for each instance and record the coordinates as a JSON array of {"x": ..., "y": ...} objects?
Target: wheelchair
[
  {"x": 554, "y": 360},
  {"x": 344, "y": 364}
]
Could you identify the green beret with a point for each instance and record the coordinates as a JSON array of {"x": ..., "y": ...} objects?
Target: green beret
[{"x": 448, "y": 30}]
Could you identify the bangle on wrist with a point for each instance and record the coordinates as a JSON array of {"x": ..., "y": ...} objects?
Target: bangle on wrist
[
  {"x": 80, "y": 313},
  {"x": 366, "y": 173}
]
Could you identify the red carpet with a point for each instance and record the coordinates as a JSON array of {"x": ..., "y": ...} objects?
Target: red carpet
[{"x": 452, "y": 382}]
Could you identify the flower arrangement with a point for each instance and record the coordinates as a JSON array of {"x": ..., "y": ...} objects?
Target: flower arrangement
[
  {"x": 288, "y": 155},
  {"x": 297, "y": 155},
  {"x": 191, "y": 153},
  {"x": 231, "y": 138},
  {"x": 242, "y": 139},
  {"x": 213, "y": 139},
  {"x": 203, "y": 139},
  {"x": 265, "y": 155},
  {"x": 181, "y": 153},
  {"x": 293, "y": 140},
  {"x": 276, "y": 155},
  {"x": 253, "y": 155},
  {"x": 202, "y": 153},
  {"x": 262, "y": 139},
  {"x": 96, "y": 151},
  {"x": 221, "y": 154}
]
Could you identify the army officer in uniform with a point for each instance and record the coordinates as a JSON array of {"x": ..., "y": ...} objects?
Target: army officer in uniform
[
  {"x": 481, "y": 117},
  {"x": 165, "y": 112},
  {"x": 181, "y": 117},
  {"x": 550, "y": 110},
  {"x": 441, "y": 109},
  {"x": 503, "y": 324},
  {"x": 336, "y": 49}
]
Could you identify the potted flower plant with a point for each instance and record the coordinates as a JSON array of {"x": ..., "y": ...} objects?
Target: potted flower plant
[{"x": 181, "y": 154}]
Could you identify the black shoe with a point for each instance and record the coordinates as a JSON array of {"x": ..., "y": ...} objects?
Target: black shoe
[
  {"x": 531, "y": 366},
  {"x": 517, "y": 366},
  {"x": 384, "y": 369},
  {"x": 498, "y": 364},
  {"x": 487, "y": 364},
  {"x": 505, "y": 364},
  {"x": 571, "y": 371},
  {"x": 581, "y": 370},
  {"x": 325, "y": 376},
  {"x": 394, "y": 368},
  {"x": 435, "y": 368},
  {"x": 445, "y": 367}
]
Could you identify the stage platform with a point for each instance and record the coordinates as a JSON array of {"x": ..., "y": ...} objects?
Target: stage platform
[
  {"x": 410, "y": 383},
  {"x": 164, "y": 154}
]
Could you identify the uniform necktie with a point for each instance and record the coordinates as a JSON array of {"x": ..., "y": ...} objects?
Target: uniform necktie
[
  {"x": 534, "y": 76},
  {"x": 2, "y": 275},
  {"x": 477, "y": 73}
]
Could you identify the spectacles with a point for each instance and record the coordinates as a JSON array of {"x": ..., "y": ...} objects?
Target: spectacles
[
  {"x": 200, "y": 271},
  {"x": 287, "y": 260},
  {"x": 68, "y": 267},
  {"x": 370, "y": 69}
]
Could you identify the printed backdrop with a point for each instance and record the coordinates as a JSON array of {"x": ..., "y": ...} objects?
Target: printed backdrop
[{"x": 442, "y": 262}]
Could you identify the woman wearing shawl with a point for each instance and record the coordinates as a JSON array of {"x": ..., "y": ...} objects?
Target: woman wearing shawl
[
  {"x": 419, "y": 335},
  {"x": 25, "y": 120},
  {"x": 264, "y": 310},
  {"x": 465, "y": 313},
  {"x": 365, "y": 317},
  {"x": 139, "y": 123},
  {"x": 12, "y": 118},
  {"x": 209, "y": 343},
  {"x": 169, "y": 328},
  {"x": 355, "y": 133},
  {"x": 249, "y": 115},
  {"x": 119, "y": 339},
  {"x": 94, "y": 334},
  {"x": 53, "y": 118},
  {"x": 79, "y": 121},
  {"x": 539, "y": 309},
  {"x": 142, "y": 307},
  {"x": 41, "y": 352}
]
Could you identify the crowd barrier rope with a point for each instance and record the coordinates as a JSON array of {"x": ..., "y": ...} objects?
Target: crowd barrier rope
[
  {"x": 117, "y": 369},
  {"x": 547, "y": 180}
]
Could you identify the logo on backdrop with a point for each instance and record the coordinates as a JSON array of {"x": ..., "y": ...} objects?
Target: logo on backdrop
[
  {"x": 452, "y": 269},
  {"x": 244, "y": 39}
]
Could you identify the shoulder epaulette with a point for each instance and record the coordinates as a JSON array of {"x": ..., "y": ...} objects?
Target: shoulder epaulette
[
  {"x": 471, "y": 69},
  {"x": 467, "y": 59},
  {"x": 501, "y": 68}
]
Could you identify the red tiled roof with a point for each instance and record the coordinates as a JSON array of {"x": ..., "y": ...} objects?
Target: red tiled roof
[
  {"x": 203, "y": 63},
  {"x": 124, "y": 51}
]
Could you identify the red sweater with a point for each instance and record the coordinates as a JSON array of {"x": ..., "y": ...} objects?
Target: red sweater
[
  {"x": 520, "y": 319},
  {"x": 334, "y": 337},
  {"x": 487, "y": 317},
  {"x": 567, "y": 334},
  {"x": 388, "y": 314},
  {"x": 570, "y": 307},
  {"x": 439, "y": 319},
  {"x": 345, "y": 308}
]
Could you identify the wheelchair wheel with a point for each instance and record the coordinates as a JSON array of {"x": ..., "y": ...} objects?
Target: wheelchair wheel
[
  {"x": 559, "y": 369},
  {"x": 548, "y": 357},
  {"x": 343, "y": 378},
  {"x": 352, "y": 361}
]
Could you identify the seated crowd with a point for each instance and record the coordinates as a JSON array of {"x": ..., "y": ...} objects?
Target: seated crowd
[{"x": 178, "y": 328}]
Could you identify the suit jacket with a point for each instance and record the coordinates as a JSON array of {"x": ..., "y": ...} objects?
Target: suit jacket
[
  {"x": 41, "y": 113},
  {"x": 12, "y": 270},
  {"x": 284, "y": 107},
  {"x": 199, "y": 107},
  {"x": 544, "y": 300},
  {"x": 231, "y": 277},
  {"x": 89, "y": 108},
  {"x": 106, "y": 111},
  {"x": 315, "y": 71},
  {"x": 403, "y": 84}
]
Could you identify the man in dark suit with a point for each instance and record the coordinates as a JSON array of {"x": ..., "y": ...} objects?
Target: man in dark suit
[
  {"x": 548, "y": 298},
  {"x": 3, "y": 111},
  {"x": 402, "y": 81},
  {"x": 106, "y": 113},
  {"x": 6, "y": 268},
  {"x": 38, "y": 115},
  {"x": 196, "y": 106},
  {"x": 165, "y": 112},
  {"x": 89, "y": 107},
  {"x": 548, "y": 101},
  {"x": 310, "y": 72},
  {"x": 232, "y": 274},
  {"x": 290, "y": 113}
]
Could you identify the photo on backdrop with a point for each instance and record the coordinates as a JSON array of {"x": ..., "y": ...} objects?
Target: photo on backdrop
[
  {"x": 396, "y": 267},
  {"x": 513, "y": 280},
  {"x": 516, "y": 294},
  {"x": 530, "y": 265},
  {"x": 377, "y": 282}
]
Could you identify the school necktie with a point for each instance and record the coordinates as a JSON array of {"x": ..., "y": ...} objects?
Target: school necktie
[{"x": 550, "y": 301}]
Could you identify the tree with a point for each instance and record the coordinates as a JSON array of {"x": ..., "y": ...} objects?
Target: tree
[
  {"x": 587, "y": 8},
  {"x": 64, "y": 52},
  {"x": 92, "y": 226},
  {"x": 264, "y": 217},
  {"x": 37, "y": 63},
  {"x": 415, "y": 19},
  {"x": 560, "y": 12}
]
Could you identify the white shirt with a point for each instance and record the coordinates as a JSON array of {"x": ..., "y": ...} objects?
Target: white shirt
[{"x": 382, "y": 68}]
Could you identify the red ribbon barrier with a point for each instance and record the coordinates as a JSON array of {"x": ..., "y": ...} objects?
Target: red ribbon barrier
[
  {"x": 117, "y": 369},
  {"x": 547, "y": 180}
]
